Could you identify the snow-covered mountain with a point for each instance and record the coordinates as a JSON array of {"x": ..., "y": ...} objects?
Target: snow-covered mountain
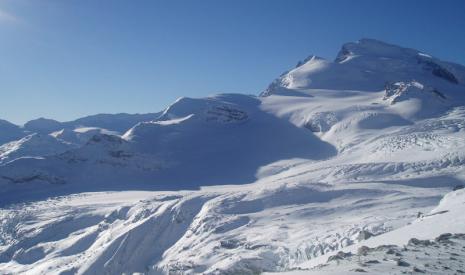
[
  {"x": 112, "y": 122},
  {"x": 33, "y": 145},
  {"x": 371, "y": 65},
  {"x": 43, "y": 125},
  {"x": 334, "y": 155},
  {"x": 216, "y": 140},
  {"x": 42, "y": 137},
  {"x": 10, "y": 132}
]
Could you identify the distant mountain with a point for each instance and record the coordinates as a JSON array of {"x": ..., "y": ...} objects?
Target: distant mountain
[
  {"x": 113, "y": 122},
  {"x": 43, "y": 125},
  {"x": 10, "y": 132},
  {"x": 42, "y": 137},
  {"x": 226, "y": 135}
]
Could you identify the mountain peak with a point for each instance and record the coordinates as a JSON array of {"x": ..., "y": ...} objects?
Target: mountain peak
[
  {"x": 375, "y": 48},
  {"x": 43, "y": 125},
  {"x": 367, "y": 65}
]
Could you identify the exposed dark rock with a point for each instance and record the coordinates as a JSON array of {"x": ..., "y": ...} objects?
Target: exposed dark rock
[
  {"x": 391, "y": 251},
  {"x": 372, "y": 262},
  {"x": 415, "y": 241},
  {"x": 443, "y": 237},
  {"x": 339, "y": 256},
  {"x": 401, "y": 262},
  {"x": 230, "y": 244},
  {"x": 364, "y": 235},
  {"x": 458, "y": 187},
  {"x": 438, "y": 70},
  {"x": 363, "y": 250}
]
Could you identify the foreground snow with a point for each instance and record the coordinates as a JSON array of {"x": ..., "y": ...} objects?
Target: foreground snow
[
  {"x": 433, "y": 243},
  {"x": 266, "y": 226}
]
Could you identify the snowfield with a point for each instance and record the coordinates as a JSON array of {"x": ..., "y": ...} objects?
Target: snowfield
[{"x": 333, "y": 169}]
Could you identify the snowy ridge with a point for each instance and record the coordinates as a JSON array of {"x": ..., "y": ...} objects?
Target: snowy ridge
[
  {"x": 34, "y": 145},
  {"x": 45, "y": 137},
  {"x": 112, "y": 122},
  {"x": 332, "y": 157}
]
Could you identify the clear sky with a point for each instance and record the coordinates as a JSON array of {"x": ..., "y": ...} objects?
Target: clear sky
[{"x": 64, "y": 59}]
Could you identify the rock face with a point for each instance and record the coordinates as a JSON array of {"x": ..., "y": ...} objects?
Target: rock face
[
  {"x": 437, "y": 69},
  {"x": 402, "y": 91},
  {"x": 226, "y": 114},
  {"x": 321, "y": 121}
]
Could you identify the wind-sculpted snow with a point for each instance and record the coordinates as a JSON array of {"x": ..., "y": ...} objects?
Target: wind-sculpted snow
[{"x": 333, "y": 156}]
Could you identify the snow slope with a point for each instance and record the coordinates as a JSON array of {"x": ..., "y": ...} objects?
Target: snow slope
[
  {"x": 432, "y": 243},
  {"x": 334, "y": 155}
]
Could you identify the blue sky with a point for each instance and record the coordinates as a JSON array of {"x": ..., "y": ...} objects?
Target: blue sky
[{"x": 64, "y": 59}]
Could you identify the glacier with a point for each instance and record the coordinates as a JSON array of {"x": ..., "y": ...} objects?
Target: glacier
[{"x": 367, "y": 150}]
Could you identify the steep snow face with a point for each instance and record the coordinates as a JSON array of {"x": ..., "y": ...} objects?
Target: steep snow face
[
  {"x": 9, "y": 132},
  {"x": 370, "y": 65},
  {"x": 34, "y": 145}
]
